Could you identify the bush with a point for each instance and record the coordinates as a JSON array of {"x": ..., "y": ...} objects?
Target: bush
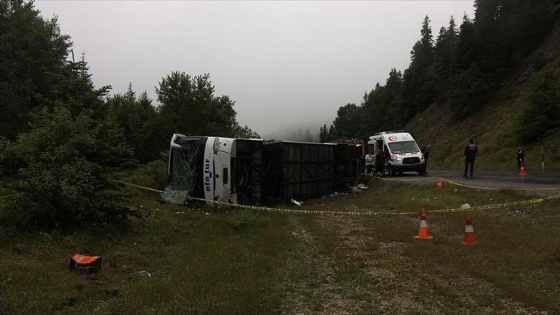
[
  {"x": 154, "y": 174},
  {"x": 65, "y": 178}
]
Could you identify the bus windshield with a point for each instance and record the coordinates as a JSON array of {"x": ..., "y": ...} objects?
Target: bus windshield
[{"x": 186, "y": 166}]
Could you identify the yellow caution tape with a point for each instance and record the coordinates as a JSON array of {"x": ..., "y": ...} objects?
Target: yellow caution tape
[
  {"x": 138, "y": 186},
  {"x": 351, "y": 213},
  {"x": 495, "y": 206},
  {"x": 493, "y": 188}
]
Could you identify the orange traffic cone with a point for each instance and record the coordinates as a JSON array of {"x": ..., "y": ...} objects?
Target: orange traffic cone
[
  {"x": 439, "y": 183},
  {"x": 470, "y": 238},
  {"x": 423, "y": 230},
  {"x": 522, "y": 171}
]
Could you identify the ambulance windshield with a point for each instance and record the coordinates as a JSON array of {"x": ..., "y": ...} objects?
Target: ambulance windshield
[{"x": 403, "y": 147}]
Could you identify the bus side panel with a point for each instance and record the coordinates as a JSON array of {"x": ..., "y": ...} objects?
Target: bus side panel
[
  {"x": 298, "y": 170},
  {"x": 308, "y": 170}
]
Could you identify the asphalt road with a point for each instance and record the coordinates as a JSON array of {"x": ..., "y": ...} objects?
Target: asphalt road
[{"x": 547, "y": 183}]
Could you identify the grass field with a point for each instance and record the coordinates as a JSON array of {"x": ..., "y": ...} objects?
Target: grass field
[{"x": 175, "y": 260}]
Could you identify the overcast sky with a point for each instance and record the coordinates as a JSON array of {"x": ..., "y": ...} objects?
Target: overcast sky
[{"x": 286, "y": 64}]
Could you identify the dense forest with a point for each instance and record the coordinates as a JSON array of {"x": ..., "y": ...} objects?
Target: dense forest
[
  {"x": 462, "y": 69},
  {"x": 62, "y": 139}
]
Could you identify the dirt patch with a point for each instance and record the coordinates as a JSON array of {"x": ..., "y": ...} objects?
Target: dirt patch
[{"x": 397, "y": 284}]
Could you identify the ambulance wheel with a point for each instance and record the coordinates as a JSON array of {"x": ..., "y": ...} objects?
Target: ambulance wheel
[{"x": 391, "y": 171}]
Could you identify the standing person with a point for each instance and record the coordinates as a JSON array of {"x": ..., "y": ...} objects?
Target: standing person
[
  {"x": 380, "y": 162},
  {"x": 520, "y": 158},
  {"x": 387, "y": 158},
  {"x": 426, "y": 154},
  {"x": 470, "y": 154},
  {"x": 362, "y": 163},
  {"x": 369, "y": 163}
]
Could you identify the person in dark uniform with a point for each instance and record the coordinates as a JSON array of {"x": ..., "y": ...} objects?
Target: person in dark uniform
[
  {"x": 380, "y": 162},
  {"x": 520, "y": 158},
  {"x": 426, "y": 154},
  {"x": 470, "y": 154},
  {"x": 386, "y": 153},
  {"x": 387, "y": 158}
]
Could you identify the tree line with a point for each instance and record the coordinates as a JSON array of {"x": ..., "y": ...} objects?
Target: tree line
[
  {"x": 462, "y": 69},
  {"x": 62, "y": 140}
]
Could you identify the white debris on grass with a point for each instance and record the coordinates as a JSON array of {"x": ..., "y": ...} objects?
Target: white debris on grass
[
  {"x": 295, "y": 202},
  {"x": 145, "y": 273}
]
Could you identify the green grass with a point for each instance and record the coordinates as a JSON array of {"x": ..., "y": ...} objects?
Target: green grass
[{"x": 175, "y": 260}]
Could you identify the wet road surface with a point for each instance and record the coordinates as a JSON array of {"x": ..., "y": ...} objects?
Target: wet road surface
[{"x": 547, "y": 183}]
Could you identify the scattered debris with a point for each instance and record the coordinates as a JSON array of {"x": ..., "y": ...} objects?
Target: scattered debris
[{"x": 145, "y": 273}]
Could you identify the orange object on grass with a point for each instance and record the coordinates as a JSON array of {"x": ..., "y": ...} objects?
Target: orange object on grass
[{"x": 87, "y": 263}]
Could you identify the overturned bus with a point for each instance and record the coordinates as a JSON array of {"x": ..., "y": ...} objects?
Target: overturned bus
[{"x": 215, "y": 170}]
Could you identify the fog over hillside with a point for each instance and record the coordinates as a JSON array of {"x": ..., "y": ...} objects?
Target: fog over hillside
[{"x": 295, "y": 131}]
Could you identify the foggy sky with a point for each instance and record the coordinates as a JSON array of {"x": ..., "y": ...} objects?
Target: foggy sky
[{"x": 286, "y": 64}]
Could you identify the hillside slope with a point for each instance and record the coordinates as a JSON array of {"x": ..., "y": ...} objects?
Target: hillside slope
[{"x": 492, "y": 128}]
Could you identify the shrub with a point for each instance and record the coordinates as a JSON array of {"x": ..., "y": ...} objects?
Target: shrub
[
  {"x": 65, "y": 179},
  {"x": 154, "y": 174}
]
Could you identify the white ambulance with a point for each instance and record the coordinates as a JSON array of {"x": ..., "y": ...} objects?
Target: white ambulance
[{"x": 401, "y": 150}]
